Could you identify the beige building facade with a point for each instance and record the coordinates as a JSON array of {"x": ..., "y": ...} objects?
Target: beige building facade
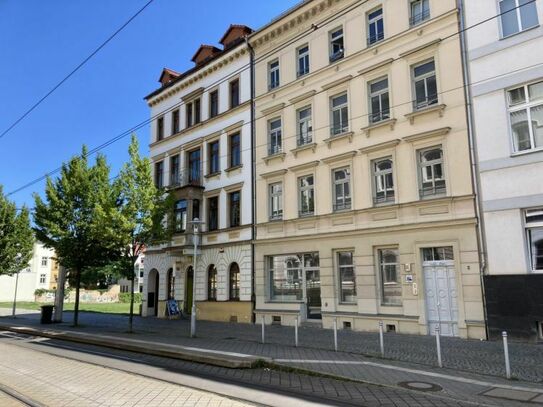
[{"x": 365, "y": 206}]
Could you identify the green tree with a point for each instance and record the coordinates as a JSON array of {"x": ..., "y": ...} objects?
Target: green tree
[
  {"x": 16, "y": 237},
  {"x": 70, "y": 221},
  {"x": 140, "y": 214}
]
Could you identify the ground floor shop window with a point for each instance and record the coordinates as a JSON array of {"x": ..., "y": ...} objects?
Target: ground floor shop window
[
  {"x": 347, "y": 279},
  {"x": 534, "y": 234},
  {"x": 292, "y": 276},
  {"x": 389, "y": 269}
]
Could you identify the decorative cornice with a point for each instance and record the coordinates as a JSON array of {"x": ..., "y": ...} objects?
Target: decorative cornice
[
  {"x": 381, "y": 146},
  {"x": 420, "y": 48},
  {"x": 312, "y": 146},
  {"x": 192, "y": 144},
  {"x": 273, "y": 173},
  {"x": 337, "y": 82},
  {"x": 280, "y": 155},
  {"x": 301, "y": 97},
  {"x": 233, "y": 187},
  {"x": 382, "y": 123},
  {"x": 272, "y": 109},
  {"x": 195, "y": 93},
  {"x": 427, "y": 134},
  {"x": 348, "y": 134},
  {"x": 304, "y": 166},
  {"x": 434, "y": 108},
  {"x": 234, "y": 127},
  {"x": 376, "y": 66},
  {"x": 339, "y": 157}
]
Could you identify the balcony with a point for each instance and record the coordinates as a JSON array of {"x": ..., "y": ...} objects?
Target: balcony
[{"x": 186, "y": 178}]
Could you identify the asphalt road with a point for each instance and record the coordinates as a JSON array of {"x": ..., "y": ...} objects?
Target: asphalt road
[{"x": 45, "y": 372}]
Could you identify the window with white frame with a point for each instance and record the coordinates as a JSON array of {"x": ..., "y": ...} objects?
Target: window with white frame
[
  {"x": 376, "y": 26},
  {"x": 347, "y": 277},
  {"x": 379, "y": 100},
  {"x": 305, "y": 128},
  {"x": 273, "y": 74},
  {"x": 44, "y": 261},
  {"x": 276, "y": 200},
  {"x": 517, "y": 16},
  {"x": 303, "y": 60},
  {"x": 389, "y": 270},
  {"x": 342, "y": 189},
  {"x": 526, "y": 116},
  {"x": 432, "y": 177},
  {"x": 285, "y": 277},
  {"x": 306, "y": 188},
  {"x": 42, "y": 278},
  {"x": 383, "y": 180},
  {"x": 534, "y": 234},
  {"x": 275, "y": 136},
  {"x": 180, "y": 216},
  {"x": 420, "y": 11},
  {"x": 339, "y": 114},
  {"x": 424, "y": 84},
  {"x": 337, "y": 48}
]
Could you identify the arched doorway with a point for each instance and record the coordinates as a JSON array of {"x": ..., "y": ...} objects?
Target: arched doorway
[
  {"x": 189, "y": 279},
  {"x": 152, "y": 292}
]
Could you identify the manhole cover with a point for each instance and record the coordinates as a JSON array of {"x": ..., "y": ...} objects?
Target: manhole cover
[{"x": 420, "y": 386}]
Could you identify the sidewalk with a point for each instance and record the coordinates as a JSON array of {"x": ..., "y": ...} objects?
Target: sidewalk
[{"x": 472, "y": 368}]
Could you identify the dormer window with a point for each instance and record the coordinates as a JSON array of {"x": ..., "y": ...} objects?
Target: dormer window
[{"x": 337, "y": 48}]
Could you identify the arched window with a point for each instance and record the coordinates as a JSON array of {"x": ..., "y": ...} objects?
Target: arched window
[
  {"x": 234, "y": 282},
  {"x": 171, "y": 284},
  {"x": 212, "y": 283}
]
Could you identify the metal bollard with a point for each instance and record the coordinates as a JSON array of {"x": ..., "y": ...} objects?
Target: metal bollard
[
  {"x": 296, "y": 332},
  {"x": 438, "y": 344},
  {"x": 263, "y": 334},
  {"x": 506, "y": 353},
  {"x": 381, "y": 339},
  {"x": 335, "y": 334}
]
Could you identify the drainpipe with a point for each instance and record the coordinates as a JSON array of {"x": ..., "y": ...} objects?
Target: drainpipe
[
  {"x": 253, "y": 177},
  {"x": 475, "y": 175}
]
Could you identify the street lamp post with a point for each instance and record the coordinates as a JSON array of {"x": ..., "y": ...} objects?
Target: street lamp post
[{"x": 196, "y": 226}]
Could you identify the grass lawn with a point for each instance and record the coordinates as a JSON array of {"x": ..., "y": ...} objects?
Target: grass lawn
[{"x": 108, "y": 308}]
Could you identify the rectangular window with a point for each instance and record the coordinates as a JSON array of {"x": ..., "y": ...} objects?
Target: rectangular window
[
  {"x": 347, "y": 278},
  {"x": 214, "y": 161},
  {"x": 337, "y": 49},
  {"x": 376, "y": 26},
  {"x": 174, "y": 170},
  {"x": 425, "y": 85},
  {"x": 432, "y": 178},
  {"x": 339, "y": 115},
  {"x": 303, "y": 60},
  {"x": 379, "y": 100},
  {"x": 189, "y": 115},
  {"x": 273, "y": 74},
  {"x": 517, "y": 16},
  {"x": 526, "y": 116},
  {"x": 534, "y": 234},
  {"x": 306, "y": 192},
  {"x": 420, "y": 11},
  {"x": 159, "y": 174},
  {"x": 213, "y": 213},
  {"x": 383, "y": 181},
  {"x": 342, "y": 189},
  {"x": 438, "y": 253},
  {"x": 305, "y": 127},
  {"x": 197, "y": 111},
  {"x": 44, "y": 261},
  {"x": 195, "y": 208},
  {"x": 175, "y": 121},
  {"x": 285, "y": 276},
  {"x": 213, "y": 103},
  {"x": 234, "y": 199},
  {"x": 235, "y": 150},
  {"x": 160, "y": 128},
  {"x": 194, "y": 167},
  {"x": 42, "y": 278},
  {"x": 180, "y": 216},
  {"x": 234, "y": 93},
  {"x": 276, "y": 201},
  {"x": 389, "y": 270},
  {"x": 275, "y": 137}
]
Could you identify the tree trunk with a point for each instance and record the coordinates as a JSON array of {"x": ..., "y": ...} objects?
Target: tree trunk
[
  {"x": 77, "y": 285},
  {"x": 131, "y": 317},
  {"x": 59, "y": 296}
]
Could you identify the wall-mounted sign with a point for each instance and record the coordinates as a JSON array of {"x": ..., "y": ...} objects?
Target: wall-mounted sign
[{"x": 409, "y": 278}]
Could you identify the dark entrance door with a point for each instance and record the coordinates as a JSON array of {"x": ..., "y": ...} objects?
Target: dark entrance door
[
  {"x": 188, "y": 291},
  {"x": 156, "y": 295},
  {"x": 313, "y": 293}
]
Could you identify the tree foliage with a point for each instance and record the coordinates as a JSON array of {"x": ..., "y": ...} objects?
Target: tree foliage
[
  {"x": 70, "y": 219},
  {"x": 16, "y": 237}
]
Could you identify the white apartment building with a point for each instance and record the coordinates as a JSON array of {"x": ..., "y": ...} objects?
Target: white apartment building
[
  {"x": 125, "y": 284},
  {"x": 505, "y": 65},
  {"x": 38, "y": 274},
  {"x": 201, "y": 151}
]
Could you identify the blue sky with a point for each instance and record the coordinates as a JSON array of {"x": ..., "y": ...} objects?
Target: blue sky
[{"x": 42, "y": 41}]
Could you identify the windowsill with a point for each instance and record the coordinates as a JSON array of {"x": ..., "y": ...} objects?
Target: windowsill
[
  {"x": 434, "y": 196},
  {"x": 304, "y": 147},
  {"x": 391, "y": 305},
  {"x": 340, "y": 136},
  {"x": 429, "y": 109},
  {"x": 270, "y": 157},
  {"x": 530, "y": 151},
  {"x": 519, "y": 32},
  {"x": 372, "y": 126},
  {"x": 384, "y": 203},
  {"x": 235, "y": 167},
  {"x": 212, "y": 175},
  {"x": 276, "y": 219},
  {"x": 342, "y": 210},
  {"x": 306, "y": 215},
  {"x": 347, "y": 303},
  {"x": 284, "y": 302}
]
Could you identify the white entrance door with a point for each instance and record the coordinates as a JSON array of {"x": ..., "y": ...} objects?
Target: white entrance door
[{"x": 441, "y": 296}]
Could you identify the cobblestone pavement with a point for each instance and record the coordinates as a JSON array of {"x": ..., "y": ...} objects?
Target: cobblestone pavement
[
  {"x": 55, "y": 381},
  {"x": 326, "y": 390},
  {"x": 480, "y": 357}
]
